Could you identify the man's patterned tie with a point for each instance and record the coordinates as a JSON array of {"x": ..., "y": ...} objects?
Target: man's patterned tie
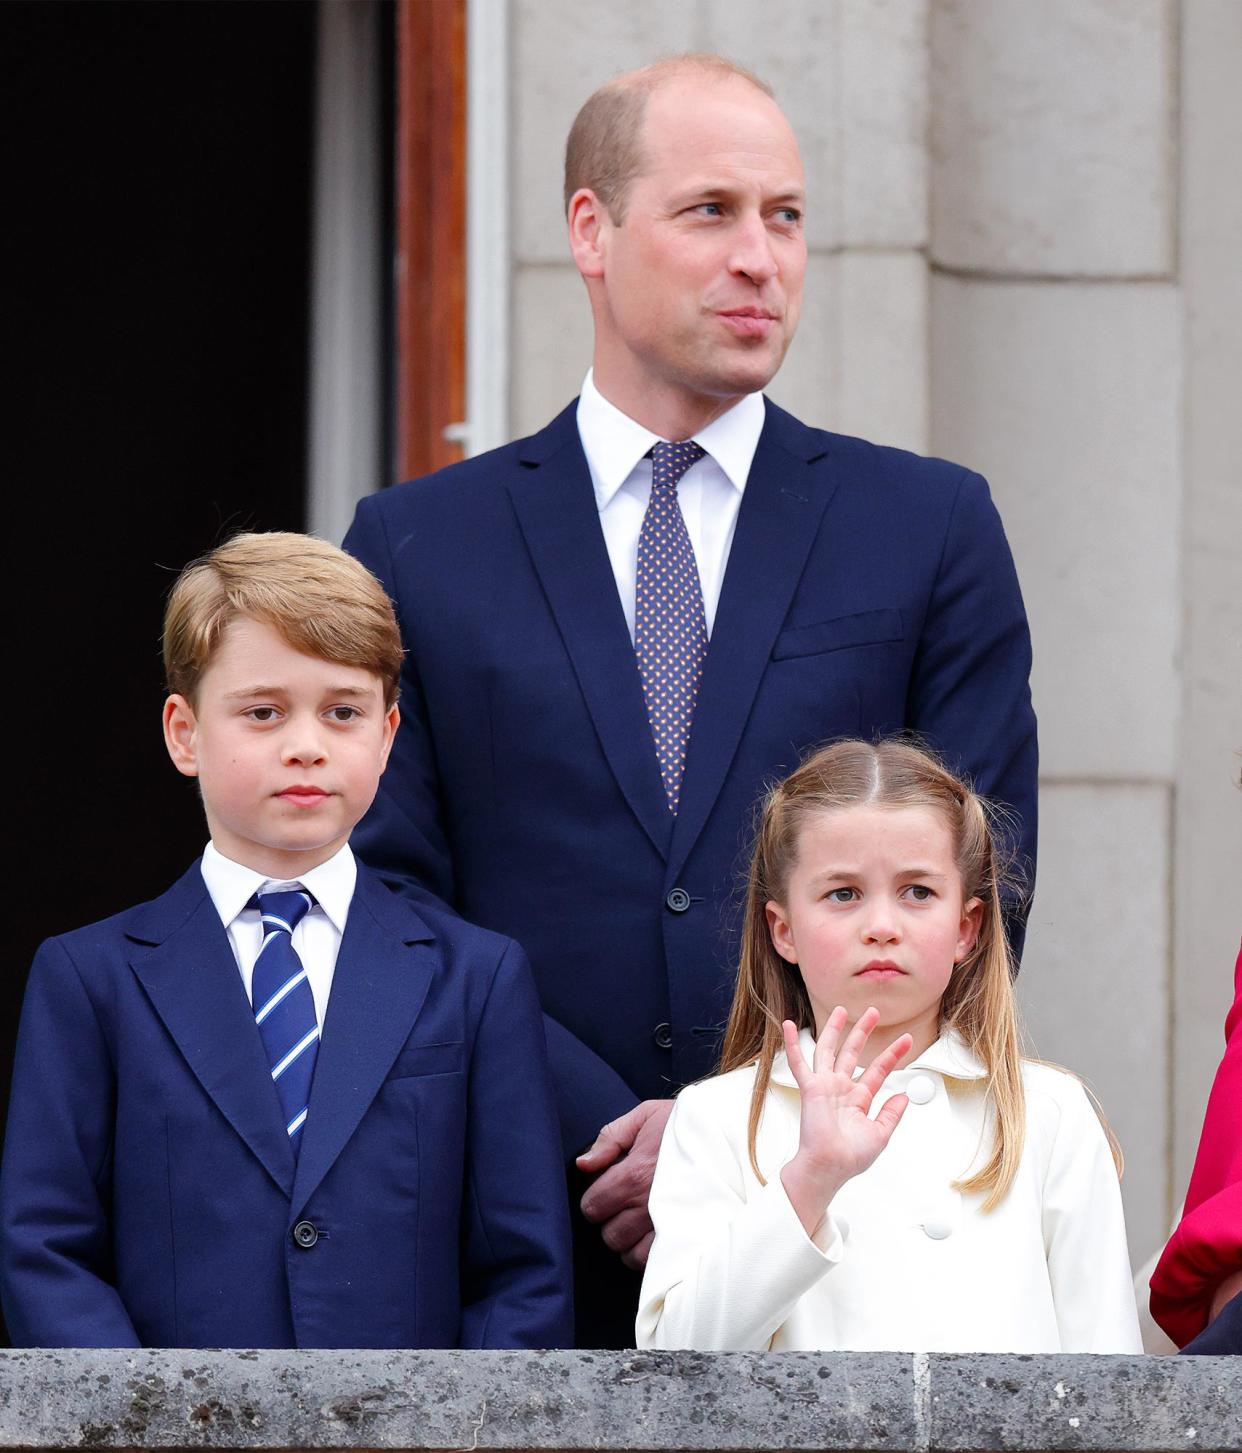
[
  {"x": 670, "y": 633},
  {"x": 284, "y": 1007}
]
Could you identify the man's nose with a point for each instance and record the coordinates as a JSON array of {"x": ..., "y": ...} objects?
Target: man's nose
[{"x": 752, "y": 251}]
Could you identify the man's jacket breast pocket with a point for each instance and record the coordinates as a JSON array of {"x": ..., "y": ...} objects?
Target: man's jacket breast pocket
[
  {"x": 865, "y": 628},
  {"x": 428, "y": 1059}
]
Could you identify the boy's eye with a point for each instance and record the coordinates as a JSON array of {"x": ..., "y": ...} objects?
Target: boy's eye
[
  {"x": 262, "y": 713},
  {"x": 343, "y": 713}
]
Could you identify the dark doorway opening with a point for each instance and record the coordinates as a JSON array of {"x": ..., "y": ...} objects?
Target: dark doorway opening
[{"x": 157, "y": 321}]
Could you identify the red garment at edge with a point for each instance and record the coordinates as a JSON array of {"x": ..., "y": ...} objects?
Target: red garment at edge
[{"x": 1206, "y": 1247}]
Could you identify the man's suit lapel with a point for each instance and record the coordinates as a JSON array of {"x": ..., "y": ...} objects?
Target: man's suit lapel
[
  {"x": 181, "y": 956},
  {"x": 777, "y": 523},
  {"x": 555, "y": 506},
  {"x": 381, "y": 979}
]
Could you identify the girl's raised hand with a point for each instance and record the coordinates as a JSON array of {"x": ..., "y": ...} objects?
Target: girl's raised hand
[{"x": 836, "y": 1138}]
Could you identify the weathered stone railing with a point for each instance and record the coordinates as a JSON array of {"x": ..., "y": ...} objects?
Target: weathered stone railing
[{"x": 616, "y": 1400}]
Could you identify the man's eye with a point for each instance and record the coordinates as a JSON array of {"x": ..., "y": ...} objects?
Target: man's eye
[
  {"x": 790, "y": 216},
  {"x": 710, "y": 209}
]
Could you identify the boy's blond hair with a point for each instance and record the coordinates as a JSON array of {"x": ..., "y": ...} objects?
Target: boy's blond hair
[{"x": 320, "y": 600}]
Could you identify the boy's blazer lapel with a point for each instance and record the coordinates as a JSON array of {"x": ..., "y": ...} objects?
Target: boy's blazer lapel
[
  {"x": 555, "y": 506},
  {"x": 181, "y": 956},
  {"x": 378, "y": 987},
  {"x": 782, "y": 506}
]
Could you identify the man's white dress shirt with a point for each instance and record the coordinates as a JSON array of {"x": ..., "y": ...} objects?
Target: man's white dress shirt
[
  {"x": 317, "y": 939},
  {"x": 902, "y": 1261},
  {"x": 710, "y": 491}
]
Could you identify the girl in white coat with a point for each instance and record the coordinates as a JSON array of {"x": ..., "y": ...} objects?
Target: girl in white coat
[{"x": 949, "y": 1196}]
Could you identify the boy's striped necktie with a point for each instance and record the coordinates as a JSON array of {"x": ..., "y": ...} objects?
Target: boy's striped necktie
[{"x": 284, "y": 1007}]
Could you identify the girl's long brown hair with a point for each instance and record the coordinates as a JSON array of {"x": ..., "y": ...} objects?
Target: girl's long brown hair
[{"x": 979, "y": 1001}]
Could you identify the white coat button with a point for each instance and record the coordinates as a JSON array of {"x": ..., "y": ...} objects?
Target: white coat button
[
  {"x": 937, "y": 1227},
  {"x": 921, "y": 1089}
]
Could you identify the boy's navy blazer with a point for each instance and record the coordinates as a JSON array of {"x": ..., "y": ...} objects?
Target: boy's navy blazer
[
  {"x": 150, "y": 1194},
  {"x": 867, "y": 591}
]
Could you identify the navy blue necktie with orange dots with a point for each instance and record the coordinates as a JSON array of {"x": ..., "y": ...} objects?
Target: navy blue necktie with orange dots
[
  {"x": 284, "y": 1007},
  {"x": 670, "y": 630}
]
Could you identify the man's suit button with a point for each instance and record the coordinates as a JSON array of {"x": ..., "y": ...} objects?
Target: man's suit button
[
  {"x": 663, "y": 1036},
  {"x": 305, "y": 1235},
  {"x": 678, "y": 900}
]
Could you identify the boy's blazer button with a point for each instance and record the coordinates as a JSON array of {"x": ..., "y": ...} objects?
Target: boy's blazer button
[
  {"x": 921, "y": 1089},
  {"x": 305, "y": 1235},
  {"x": 678, "y": 900},
  {"x": 663, "y": 1036}
]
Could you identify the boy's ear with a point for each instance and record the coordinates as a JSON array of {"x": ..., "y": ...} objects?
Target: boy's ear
[
  {"x": 778, "y": 927},
  {"x": 968, "y": 929},
  {"x": 392, "y": 721},
  {"x": 181, "y": 734}
]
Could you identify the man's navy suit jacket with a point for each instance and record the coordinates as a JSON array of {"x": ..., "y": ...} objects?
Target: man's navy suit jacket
[
  {"x": 867, "y": 591},
  {"x": 149, "y": 1191}
]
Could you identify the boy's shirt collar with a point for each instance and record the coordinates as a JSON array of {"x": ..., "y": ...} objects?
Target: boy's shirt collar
[{"x": 231, "y": 885}]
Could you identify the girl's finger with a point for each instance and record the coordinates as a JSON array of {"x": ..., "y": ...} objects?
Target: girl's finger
[
  {"x": 826, "y": 1044},
  {"x": 890, "y": 1114},
  {"x": 885, "y": 1063},
  {"x": 793, "y": 1053},
  {"x": 857, "y": 1038}
]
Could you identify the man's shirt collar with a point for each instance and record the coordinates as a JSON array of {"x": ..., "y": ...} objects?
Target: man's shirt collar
[{"x": 614, "y": 443}]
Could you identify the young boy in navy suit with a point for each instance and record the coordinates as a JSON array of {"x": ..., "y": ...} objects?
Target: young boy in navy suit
[{"x": 277, "y": 1106}]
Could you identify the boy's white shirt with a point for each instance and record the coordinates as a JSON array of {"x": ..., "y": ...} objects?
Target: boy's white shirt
[
  {"x": 902, "y": 1262},
  {"x": 317, "y": 938}
]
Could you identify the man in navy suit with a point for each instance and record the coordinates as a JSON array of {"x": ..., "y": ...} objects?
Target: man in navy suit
[
  {"x": 559, "y": 781},
  {"x": 278, "y": 1107}
]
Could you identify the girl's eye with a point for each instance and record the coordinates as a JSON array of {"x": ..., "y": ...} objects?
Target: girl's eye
[
  {"x": 841, "y": 895},
  {"x": 919, "y": 892}
]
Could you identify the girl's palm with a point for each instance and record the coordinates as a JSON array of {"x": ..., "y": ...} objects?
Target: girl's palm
[{"x": 836, "y": 1136}]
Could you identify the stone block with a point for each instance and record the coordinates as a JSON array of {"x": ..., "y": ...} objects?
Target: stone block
[
  {"x": 562, "y": 50},
  {"x": 1051, "y": 136},
  {"x": 883, "y": 390},
  {"x": 1209, "y": 812},
  {"x": 1068, "y": 397},
  {"x": 1094, "y": 981},
  {"x": 883, "y": 60},
  {"x": 795, "y": 48},
  {"x": 551, "y": 341}
]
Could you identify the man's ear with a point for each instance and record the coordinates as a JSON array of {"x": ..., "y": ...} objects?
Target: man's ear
[
  {"x": 589, "y": 224},
  {"x": 778, "y": 928},
  {"x": 181, "y": 734}
]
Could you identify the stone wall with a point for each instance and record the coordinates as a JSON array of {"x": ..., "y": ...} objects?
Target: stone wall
[
  {"x": 615, "y": 1400},
  {"x": 1024, "y": 226}
]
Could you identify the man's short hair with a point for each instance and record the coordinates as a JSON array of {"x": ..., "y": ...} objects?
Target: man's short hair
[
  {"x": 604, "y": 150},
  {"x": 319, "y": 599}
]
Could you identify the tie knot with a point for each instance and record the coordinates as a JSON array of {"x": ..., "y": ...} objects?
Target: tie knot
[
  {"x": 670, "y": 461},
  {"x": 283, "y": 911}
]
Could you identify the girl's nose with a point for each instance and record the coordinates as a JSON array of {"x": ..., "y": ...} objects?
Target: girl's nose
[{"x": 881, "y": 925}]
